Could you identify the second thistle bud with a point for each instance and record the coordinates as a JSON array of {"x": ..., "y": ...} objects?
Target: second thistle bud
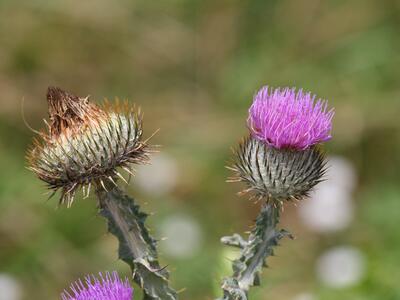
[{"x": 281, "y": 160}]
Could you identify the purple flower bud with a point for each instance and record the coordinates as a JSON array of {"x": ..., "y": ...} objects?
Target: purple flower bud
[
  {"x": 284, "y": 118},
  {"x": 109, "y": 287}
]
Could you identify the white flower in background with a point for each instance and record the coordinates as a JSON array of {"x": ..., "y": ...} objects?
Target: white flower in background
[
  {"x": 305, "y": 296},
  {"x": 330, "y": 207},
  {"x": 341, "y": 267},
  {"x": 184, "y": 237},
  {"x": 9, "y": 288},
  {"x": 341, "y": 173},
  {"x": 160, "y": 177}
]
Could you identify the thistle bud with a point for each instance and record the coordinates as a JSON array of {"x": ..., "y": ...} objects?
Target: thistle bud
[
  {"x": 281, "y": 159},
  {"x": 85, "y": 144}
]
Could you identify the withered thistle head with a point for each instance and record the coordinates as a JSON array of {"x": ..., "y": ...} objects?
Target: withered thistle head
[
  {"x": 85, "y": 144},
  {"x": 281, "y": 159}
]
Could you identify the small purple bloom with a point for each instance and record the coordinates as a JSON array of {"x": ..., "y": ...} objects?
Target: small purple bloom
[
  {"x": 284, "y": 118},
  {"x": 109, "y": 287}
]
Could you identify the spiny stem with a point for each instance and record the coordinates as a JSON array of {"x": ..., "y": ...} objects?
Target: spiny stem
[
  {"x": 136, "y": 247},
  {"x": 254, "y": 252}
]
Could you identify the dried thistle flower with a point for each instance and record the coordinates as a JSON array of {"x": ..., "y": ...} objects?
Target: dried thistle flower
[
  {"x": 85, "y": 144},
  {"x": 109, "y": 287},
  {"x": 281, "y": 159}
]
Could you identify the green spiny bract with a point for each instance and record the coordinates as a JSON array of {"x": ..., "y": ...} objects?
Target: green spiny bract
[
  {"x": 85, "y": 143},
  {"x": 277, "y": 174}
]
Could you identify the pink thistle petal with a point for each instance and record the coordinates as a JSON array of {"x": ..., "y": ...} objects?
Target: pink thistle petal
[
  {"x": 284, "y": 118},
  {"x": 109, "y": 287}
]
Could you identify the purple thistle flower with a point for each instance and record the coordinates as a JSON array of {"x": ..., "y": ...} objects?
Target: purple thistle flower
[
  {"x": 284, "y": 118},
  {"x": 109, "y": 287}
]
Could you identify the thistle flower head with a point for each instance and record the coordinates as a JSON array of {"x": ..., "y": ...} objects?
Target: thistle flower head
[
  {"x": 109, "y": 287},
  {"x": 281, "y": 160},
  {"x": 284, "y": 118},
  {"x": 85, "y": 144}
]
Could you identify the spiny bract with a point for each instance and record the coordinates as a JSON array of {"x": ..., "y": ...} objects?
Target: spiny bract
[
  {"x": 277, "y": 174},
  {"x": 85, "y": 144}
]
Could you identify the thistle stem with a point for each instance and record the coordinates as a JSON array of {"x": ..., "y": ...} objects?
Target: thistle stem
[
  {"x": 136, "y": 247},
  {"x": 254, "y": 252}
]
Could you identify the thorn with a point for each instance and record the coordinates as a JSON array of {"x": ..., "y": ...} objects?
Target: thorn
[
  {"x": 88, "y": 190},
  {"x": 51, "y": 195},
  {"x": 46, "y": 193},
  {"x": 120, "y": 176},
  {"x": 46, "y": 123},
  {"x": 112, "y": 180},
  {"x": 244, "y": 192},
  {"x": 181, "y": 290},
  {"x": 69, "y": 199},
  {"x": 231, "y": 168},
  {"x": 151, "y": 136},
  {"x": 128, "y": 170},
  {"x": 102, "y": 184},
  {"x": 24, "y": 119},
  {"x": 233, "y": 180},
  {"x": 161, "y": 269}
]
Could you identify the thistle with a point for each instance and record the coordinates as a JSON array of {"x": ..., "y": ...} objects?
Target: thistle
[
  {"x": 86, "y": 145},
  {"x": 108, "y": 287},
  {"x": 279, "y": 161}
]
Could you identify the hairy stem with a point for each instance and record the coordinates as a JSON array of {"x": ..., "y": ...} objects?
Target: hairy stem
[
  {"x": 136, "y": 247},
  {"x": 254, "y": 252}
]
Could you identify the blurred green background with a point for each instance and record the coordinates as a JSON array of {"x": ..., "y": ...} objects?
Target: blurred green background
[{"x": 193, "y": 67}]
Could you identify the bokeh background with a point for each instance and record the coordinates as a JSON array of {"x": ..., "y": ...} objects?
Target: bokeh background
[{"x": 193, "y": 67}]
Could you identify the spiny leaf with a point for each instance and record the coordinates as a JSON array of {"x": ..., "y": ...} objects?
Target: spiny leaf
[
  {"x": 136, "y": 247},
  {"x": 254, "y": 252}
]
